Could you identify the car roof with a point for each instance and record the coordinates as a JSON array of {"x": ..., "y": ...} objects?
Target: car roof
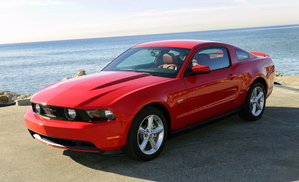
[{"x": 188, "y": 44}]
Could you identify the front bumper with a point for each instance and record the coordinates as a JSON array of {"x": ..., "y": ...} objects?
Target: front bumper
[{"x": 104, "y": 137}]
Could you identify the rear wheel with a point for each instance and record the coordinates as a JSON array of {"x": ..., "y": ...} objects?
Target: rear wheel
[
  {"x": 147, "y": 135},
  {"x": 254, "y": 105}
]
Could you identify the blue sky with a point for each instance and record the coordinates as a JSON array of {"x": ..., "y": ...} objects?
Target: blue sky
[{"x": 44, "y": 20}]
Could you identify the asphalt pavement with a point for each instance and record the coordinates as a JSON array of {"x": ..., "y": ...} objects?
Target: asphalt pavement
[{"x": 229, "y": 150}]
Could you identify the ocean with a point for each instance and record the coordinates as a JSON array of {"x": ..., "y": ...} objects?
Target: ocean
[{"x": 27, "y": 67}]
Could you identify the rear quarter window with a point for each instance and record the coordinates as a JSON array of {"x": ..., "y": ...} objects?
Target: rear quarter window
[{"x": 241, "y": 55}]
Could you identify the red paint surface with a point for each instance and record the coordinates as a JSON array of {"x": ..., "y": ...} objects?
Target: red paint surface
[{"x": 187, "y": 99}]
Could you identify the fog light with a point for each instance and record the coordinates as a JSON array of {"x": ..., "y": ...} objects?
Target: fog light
[{"x": 70, "y": 113}]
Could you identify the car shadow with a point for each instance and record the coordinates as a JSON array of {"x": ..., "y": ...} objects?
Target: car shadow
[{"x": 230, "y": 149}]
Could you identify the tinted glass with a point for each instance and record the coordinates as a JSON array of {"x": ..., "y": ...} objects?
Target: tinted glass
[
  {"x": 156, "y": 61},
  {"x": 215, "y": 58},
  {"x": 241, "y": 55}
]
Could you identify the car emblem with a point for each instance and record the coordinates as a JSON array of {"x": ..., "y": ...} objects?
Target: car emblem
[
  {"x": 180, "y": 101},
  {"x": 50, "y": 112}
]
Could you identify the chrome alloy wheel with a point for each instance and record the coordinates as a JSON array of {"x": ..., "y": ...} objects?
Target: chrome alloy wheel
[
  {"x": 257, "y": 100},
  {"x": 150, "y": 134}
]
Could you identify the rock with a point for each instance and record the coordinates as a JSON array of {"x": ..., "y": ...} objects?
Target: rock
[
  {"x": 9, "y": 98},
  {"x": 79, "y": 73},
  {"x": 278, "y": 75},
  {"x": 24, "y": 97},
  {"x": 3, "y": 99}
]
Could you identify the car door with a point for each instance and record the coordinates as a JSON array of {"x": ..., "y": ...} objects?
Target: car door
[{"x": 213, "y": 93}]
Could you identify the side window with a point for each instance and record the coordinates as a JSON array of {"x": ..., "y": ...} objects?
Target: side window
[
  {"x": 241, "y": 55},
  {"x": 215, "y": 58}
]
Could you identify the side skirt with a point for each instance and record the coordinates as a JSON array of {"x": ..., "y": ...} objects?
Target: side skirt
[{"x": 203, "y": 123}]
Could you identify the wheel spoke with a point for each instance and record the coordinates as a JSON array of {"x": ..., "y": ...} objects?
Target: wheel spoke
[
  {"x": 254, "y": 93},
  {"x": 253, "y": 110},
  {"x": 150, "y": 123},
  {"x": 143, "y": 144},
  {"x": 261, "y": 94},
  {"x": 142, "y": 131},
  {"x": 260, "y": 105},
  {"x": 158, "y": 130},
  {"x": 153, "y": 143}
]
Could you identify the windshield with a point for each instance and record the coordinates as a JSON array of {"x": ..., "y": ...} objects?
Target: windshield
[{"x": 156, "y": 61}]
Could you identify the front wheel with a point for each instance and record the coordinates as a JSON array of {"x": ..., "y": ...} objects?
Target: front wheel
[
  {"x": 254, "y": 105},
  {"x": 147, "y": 135}
]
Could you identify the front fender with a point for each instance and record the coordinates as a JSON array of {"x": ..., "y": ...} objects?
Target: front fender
[{"x": 171, "y": 95}]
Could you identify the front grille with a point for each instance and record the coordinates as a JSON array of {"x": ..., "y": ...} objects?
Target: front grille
[
  {"x": 66, "y": 143},
  {"x": 58, "y": 113}
]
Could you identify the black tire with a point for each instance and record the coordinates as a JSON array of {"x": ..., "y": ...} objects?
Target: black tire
[
  {"x": 147, "y": 135},
  {"x": 255, "y": 102}
]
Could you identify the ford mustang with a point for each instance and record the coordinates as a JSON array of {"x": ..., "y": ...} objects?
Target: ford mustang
[{"x": 148, "y": 94}]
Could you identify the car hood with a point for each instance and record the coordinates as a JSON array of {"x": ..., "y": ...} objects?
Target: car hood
[{"x": 88, "y": 91}]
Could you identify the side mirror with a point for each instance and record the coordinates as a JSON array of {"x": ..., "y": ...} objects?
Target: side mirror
[{"x": 200, "y": 69}]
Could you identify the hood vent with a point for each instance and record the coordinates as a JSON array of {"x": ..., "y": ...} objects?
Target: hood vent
[{"x": 120, "y": 81}]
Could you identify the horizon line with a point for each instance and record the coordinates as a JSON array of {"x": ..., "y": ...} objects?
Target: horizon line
[{"x": 271, "y": 26}]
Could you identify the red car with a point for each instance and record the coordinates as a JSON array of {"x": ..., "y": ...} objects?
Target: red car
[{"x": 149, "y": 93}]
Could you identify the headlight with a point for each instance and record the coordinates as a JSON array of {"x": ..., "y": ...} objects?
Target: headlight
[
  {"x": 109, "y": 115},
  {"x": 70, "y": 113},
  {"x": 37, "y": 108},
  {"x": 100, "y": 114}
]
